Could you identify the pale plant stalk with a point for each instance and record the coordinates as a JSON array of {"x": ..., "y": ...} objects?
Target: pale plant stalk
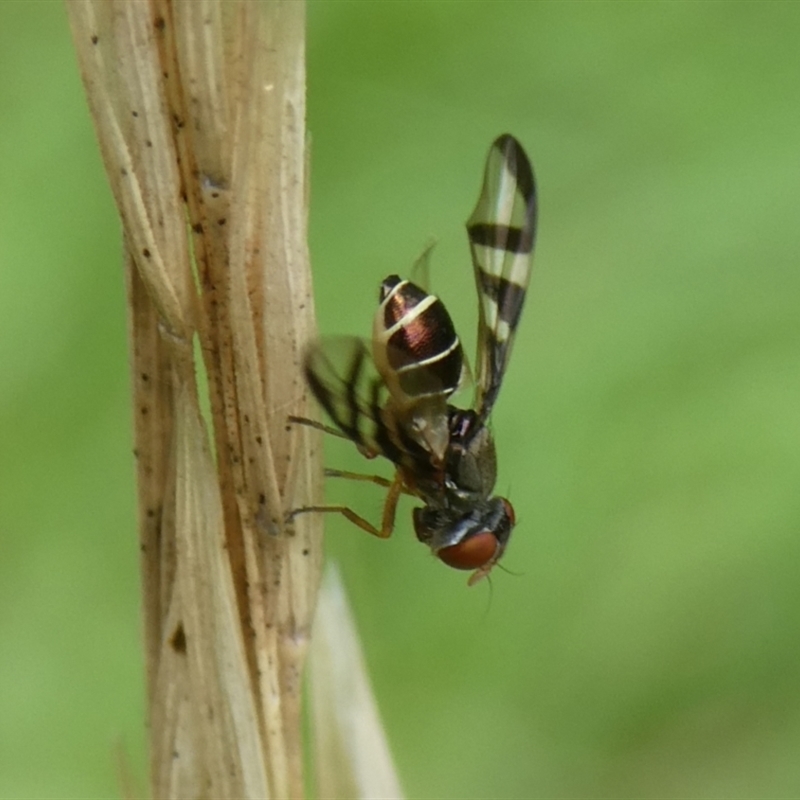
[
  {"x": 352, "y": 755},
  {"x": 199, "y": 108}
]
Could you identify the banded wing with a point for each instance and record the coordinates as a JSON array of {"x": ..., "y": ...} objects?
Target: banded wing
[
  {"x": 501, "y": 231},
  {"x": 342, "y": 376}
]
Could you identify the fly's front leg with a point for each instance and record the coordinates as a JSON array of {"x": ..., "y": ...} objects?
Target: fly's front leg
[
  {"x": 362, "y": 523},
  {"x": 396, "y": 488},
  {"x": 390, "y": 506}
]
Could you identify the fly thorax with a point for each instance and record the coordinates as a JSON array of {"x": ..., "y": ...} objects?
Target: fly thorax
[
  {"x": 471, "y": 463},
  {"x": 419, "y": 425}
]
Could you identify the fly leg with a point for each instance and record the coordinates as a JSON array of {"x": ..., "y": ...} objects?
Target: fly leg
[
  {"x": 396, "y": 488},
  {"x": 312, "y": 423},
  {"x": 377, "y": 479},
  {"x": 390, "y": 506},
  {"x": 357, "y": 476},
  {"x": 319, "y": 426},
  {"x": 362, "y": 523}
]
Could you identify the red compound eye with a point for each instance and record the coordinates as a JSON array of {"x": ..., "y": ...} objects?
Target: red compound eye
[
  {"x": 473, "y": 553},
  {"x": 510, "y": 511}
]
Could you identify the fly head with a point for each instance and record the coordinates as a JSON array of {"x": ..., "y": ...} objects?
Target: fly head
[{"x": 472, "y": 538}]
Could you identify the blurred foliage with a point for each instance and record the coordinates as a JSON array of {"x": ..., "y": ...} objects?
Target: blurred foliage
[{"x": 648, "y": 431}]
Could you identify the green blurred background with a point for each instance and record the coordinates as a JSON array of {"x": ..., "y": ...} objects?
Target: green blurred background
[{"x": 648, "y": 431}]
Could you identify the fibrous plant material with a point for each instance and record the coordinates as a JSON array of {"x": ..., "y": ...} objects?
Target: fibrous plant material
[
  {"x": 199, "y": 108},
  {"x": 352, "y": 755}
]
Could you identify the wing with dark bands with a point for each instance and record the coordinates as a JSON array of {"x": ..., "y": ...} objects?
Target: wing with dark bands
[
  {"x": 342, "y": 376},
  {"x": 502, "y": 232}
]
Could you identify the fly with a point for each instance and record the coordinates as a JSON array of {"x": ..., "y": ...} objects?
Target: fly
[{"x": 391, "y": 395}]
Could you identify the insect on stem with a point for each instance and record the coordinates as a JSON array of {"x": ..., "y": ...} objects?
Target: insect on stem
[{"x": 391, "y": 396}]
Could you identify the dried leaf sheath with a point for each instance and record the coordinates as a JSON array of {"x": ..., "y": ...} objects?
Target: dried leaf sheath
[
  {"x": 352, "y": 754},
  {"x": 199, "y": 109}
]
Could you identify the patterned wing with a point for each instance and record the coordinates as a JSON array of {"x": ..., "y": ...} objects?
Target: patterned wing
[
  {"x": 501, "y": 231},
  {"x": 342, "y": 376}
]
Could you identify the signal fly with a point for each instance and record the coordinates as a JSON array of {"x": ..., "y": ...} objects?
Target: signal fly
[{"x": 391, "y": 395}]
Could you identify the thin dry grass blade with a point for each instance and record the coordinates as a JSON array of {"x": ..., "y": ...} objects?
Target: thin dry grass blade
[
  {"x": 352, "y": 754},
  {"x": 200, "y": 109}
]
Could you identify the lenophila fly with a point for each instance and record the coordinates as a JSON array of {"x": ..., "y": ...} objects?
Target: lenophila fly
[{"x": 391, "y": 396}]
